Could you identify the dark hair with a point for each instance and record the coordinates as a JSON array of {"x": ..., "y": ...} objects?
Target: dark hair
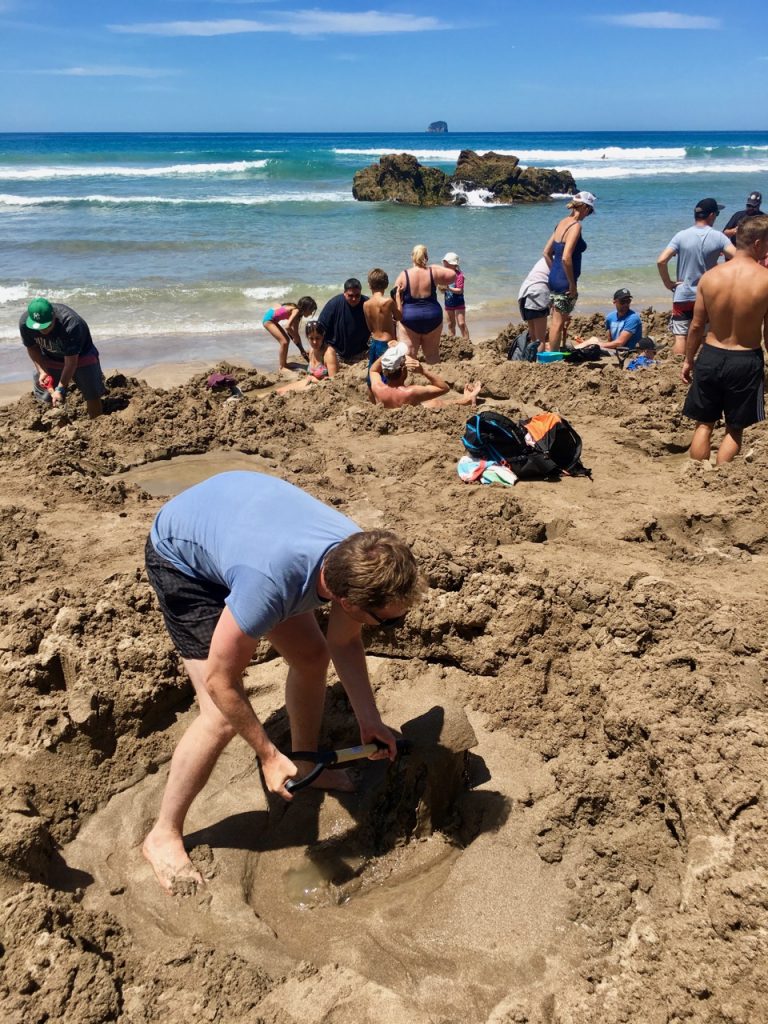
[
  {"x": 377, "y": 279},
  {"x": 372, "y": 569},
  {"x": 306, "y": 305},
  {"x": 352, "y": 282},
  {"x": 314, "y": 327},
  {"x": 749, "y": 231}
]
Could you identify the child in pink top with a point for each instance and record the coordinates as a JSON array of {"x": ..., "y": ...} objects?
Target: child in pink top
[
  {"x": 455, "y": 309},
  {"x": 282, "y": 322}
]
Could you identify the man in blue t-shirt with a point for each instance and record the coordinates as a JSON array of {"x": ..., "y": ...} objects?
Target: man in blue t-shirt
[
  {"x": 243, "y": 556},
  {"x": 624, "y": 327}
]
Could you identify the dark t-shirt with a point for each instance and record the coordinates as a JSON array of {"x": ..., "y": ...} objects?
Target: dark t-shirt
[
  {"x": 741, "y": 215},
  {"x": 70, "y": 337},
  {"x": 345, "y": 326}
]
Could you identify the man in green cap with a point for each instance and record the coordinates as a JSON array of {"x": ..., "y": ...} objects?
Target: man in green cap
[{"x": 60, "y": 346}]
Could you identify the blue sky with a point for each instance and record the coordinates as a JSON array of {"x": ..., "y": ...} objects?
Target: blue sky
[{"x": 487, "y": 65}]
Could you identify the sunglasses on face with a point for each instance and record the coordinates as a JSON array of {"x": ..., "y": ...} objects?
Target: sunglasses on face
[{"x": 396, "y": 620}]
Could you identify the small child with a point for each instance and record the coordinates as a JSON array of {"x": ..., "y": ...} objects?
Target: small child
[
  {"x": 282, "y": 322},
  {"x": 320, "y": 365},
  {"x": 381, "y": 314},
  {"x": 455, "y": 308}
]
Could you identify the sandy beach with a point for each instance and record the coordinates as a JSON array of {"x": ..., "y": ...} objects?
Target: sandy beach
[{"x": 604, "y": 856}]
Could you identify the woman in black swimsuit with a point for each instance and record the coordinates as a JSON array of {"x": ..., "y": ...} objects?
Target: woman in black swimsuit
[{"x": 422, "y": 314}]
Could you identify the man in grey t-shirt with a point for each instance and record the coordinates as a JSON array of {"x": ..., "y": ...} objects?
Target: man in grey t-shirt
[{"x": 697, "y": 248}]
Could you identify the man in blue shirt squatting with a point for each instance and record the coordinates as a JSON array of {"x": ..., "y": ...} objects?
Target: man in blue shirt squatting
[
  {"x": 243, "y": 556},
  {"x": 624, "y": 327}
]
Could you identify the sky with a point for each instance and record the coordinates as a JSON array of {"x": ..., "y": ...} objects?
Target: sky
[{"x": 384, "y": 65}]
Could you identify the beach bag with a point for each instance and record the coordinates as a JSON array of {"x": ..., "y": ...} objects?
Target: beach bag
[
  {"x": 587, "y": 354},
  {"x": 494, "y": 437},
  {"x": 555, "y": 438},
  {"x": 523, "y": 349}
]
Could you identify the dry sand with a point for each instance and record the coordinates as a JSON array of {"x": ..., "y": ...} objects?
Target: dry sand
[{"x": 606, "y": 860}]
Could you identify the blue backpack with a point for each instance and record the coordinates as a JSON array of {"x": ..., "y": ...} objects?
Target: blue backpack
[{"x": 494, "y": 437}]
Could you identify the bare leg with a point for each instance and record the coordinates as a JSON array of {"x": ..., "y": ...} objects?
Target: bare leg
[
  {"x": 730, "y": 446},
  {"x": 471, "y": 391},
  {"x": 191, "y": 765},
  {"x": 678, "y": 347},
  {"x": 701, "y": 442},
  {"x": 282, "y": 339},
  {"x": 94, "y": 407},
  {"x": 451, "y": 317},
  {"x": 537, "y": 330},
  {"x": 296, "y": 385},
  {"x": 461, "y": 320},
  {"x": 430, "y": 345},
  {"x": 555, "y": 330},
  {"x": 301, "y": 643}
]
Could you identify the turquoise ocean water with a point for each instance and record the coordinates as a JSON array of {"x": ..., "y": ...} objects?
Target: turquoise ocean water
[{"x": 193, "y": 236}]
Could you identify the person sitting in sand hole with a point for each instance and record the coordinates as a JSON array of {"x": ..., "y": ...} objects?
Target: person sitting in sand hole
[
  {"x": 282, "y": 322},
  {"x": 382, "y": 316},
  {"x": 323, "y": 363},
  {"x": 388, "y": 383},
  {"x": 243, "y": 556}
]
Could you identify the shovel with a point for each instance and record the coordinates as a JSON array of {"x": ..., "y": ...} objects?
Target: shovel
[{"x": 323, "y": 759}]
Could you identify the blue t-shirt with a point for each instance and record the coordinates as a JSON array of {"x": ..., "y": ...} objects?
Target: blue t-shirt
[
  {"x": 261, "y": 537},
  {"x": 698, "y": 249},
  {"x": 630, "y": 322}
]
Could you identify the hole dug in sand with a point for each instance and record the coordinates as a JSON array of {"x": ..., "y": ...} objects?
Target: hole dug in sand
[{"x": 417, "y": 884}]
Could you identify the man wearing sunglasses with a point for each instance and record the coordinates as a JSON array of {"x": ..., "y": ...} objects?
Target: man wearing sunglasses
[
  {"x": 245, "y": 556},
  {"x": 346, "y": 329}
]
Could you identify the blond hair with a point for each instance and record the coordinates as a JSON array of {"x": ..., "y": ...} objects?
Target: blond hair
[
  {"x": 420, "y": 256},
  {"x": 750, "y": 230},
  {"x": 372, "y": 569}
]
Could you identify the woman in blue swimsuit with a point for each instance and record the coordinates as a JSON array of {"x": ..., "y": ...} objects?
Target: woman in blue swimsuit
[
  {"x": 563, "y": 254},
  {"x": 421, "y": 313}
]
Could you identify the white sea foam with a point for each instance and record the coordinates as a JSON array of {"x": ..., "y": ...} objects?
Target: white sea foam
[
  {"x": 476, "y": 196},
  {"x": 93, "y": 171},
  {"x": 691, "y": 167},
  {"x": 14, "y": 293},
  {"x": 261, "y": 294},
  {"x": 275, "y": 197},
  {"x": 537, "y": 155}
]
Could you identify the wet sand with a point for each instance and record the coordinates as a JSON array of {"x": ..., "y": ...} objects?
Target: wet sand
[{"x": 603, "y": 858}]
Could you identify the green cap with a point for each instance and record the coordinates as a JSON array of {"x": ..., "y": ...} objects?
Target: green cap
[{"x": 39, "y": 315}]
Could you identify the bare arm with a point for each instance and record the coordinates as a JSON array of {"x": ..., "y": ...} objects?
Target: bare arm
[
  {"x": 570, "y": 245},
  {"x": 348, "y": 657},
  {"x": 547, "y": 254},
  {"x": 292, "y": 328},
  {"x": 662, "y": 264},
  {"x": 621, "y": 342},
  {"x": 729, "y": 252},
  {"x": 443, "y": 276},
  {"x": 695, "y": 334},
  {"x": 229, "y": 656}
]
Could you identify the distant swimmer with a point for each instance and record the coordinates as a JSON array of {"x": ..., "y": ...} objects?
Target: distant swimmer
[
  {"x": 697, "y": 248},
  {"x": 603, "y": 157},
  {"x": 727, "y": 379}
]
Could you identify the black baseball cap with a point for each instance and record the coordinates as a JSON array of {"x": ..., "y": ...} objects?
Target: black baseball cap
[
  {"x": 705, "y": 207},
  {"x": 754, "y": 198},
  {"x": 622, "y": 293}
]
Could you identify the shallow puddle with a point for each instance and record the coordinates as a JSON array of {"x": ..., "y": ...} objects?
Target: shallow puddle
[{"x": 170, "y": 476}]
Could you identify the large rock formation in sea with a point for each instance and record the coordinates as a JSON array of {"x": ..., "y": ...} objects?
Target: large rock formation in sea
[
  {"x": 438, "y": 128},
  {"x": 402, "y": 179}
]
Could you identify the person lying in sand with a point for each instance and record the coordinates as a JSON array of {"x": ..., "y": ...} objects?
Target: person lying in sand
[
  {"x": 394, "y": 393},
  {"x": 243, "y": 556},
  {"x": 320, "y": 367}
]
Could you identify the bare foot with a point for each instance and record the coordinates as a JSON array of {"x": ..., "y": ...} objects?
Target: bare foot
[
  {"x": 471, "y": 391},
  {"x": 171, "y": 864}
]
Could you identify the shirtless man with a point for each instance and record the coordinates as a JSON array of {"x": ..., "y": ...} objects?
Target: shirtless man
[
  {"x": 726, "y": 381},
  {"x": 394, "y": 393},
  {"x": 381, "y": 315}
]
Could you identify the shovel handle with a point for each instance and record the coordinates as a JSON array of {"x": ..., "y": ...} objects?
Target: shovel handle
[{"x": 334, "y": 759}]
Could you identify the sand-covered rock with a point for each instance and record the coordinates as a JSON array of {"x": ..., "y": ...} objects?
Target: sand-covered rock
[{"x": 603, "y": 854}]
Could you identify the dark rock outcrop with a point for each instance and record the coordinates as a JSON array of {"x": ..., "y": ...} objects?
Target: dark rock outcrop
[
  {"x": 438, "y": 128},
  {"x": 402, "y": 179}
]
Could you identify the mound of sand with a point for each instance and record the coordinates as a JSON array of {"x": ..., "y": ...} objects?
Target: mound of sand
[{"x": 603, "y": 857}]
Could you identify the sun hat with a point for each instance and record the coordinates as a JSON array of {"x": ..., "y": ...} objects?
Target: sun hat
[
  {"x": 622, "y": 293},
  {"x": 452, "y": 258},
  {"x": 394, "y": 358},
  {"x": 585, "y": 198},
  {"x": 754, "y": 198},
  {"x": 706, "y": 207},
  {"x": 40, "y": 314}
]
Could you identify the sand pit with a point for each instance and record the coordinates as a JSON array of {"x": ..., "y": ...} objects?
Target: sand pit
[{"x": 598, "y": 854}]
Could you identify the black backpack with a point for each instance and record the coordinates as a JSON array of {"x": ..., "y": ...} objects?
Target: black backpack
[
  {"x": 585, "y": 354},
  {"x": 555, "y": 437},
  {"x": 493, "y": 436},
  {"x": 523, "y": 349}
]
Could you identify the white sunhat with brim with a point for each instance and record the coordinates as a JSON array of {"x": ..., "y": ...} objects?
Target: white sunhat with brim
[
  {"x": 452, "y": 258},
  {"x": 394, "y": 358},
  {"x": 585, "y": 198}
]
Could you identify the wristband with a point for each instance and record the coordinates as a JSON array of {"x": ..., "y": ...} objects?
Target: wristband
[{"x": 61, "y": 388}]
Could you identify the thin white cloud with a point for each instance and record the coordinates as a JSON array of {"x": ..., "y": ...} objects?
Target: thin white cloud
[
  {"x": 296, "y": 23},
  {"x": 662, "y": 20},
  {"x": 104, "y": 71}
]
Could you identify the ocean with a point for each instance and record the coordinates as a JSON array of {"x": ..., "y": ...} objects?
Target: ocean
[{"x": 172, "y": 246}]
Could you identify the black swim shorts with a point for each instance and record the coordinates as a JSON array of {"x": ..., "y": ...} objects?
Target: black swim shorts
[
  {"x": 727, "y": 384},
  {"x": 531, "y": 314},
  {"x": 191, "y": 607}
]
